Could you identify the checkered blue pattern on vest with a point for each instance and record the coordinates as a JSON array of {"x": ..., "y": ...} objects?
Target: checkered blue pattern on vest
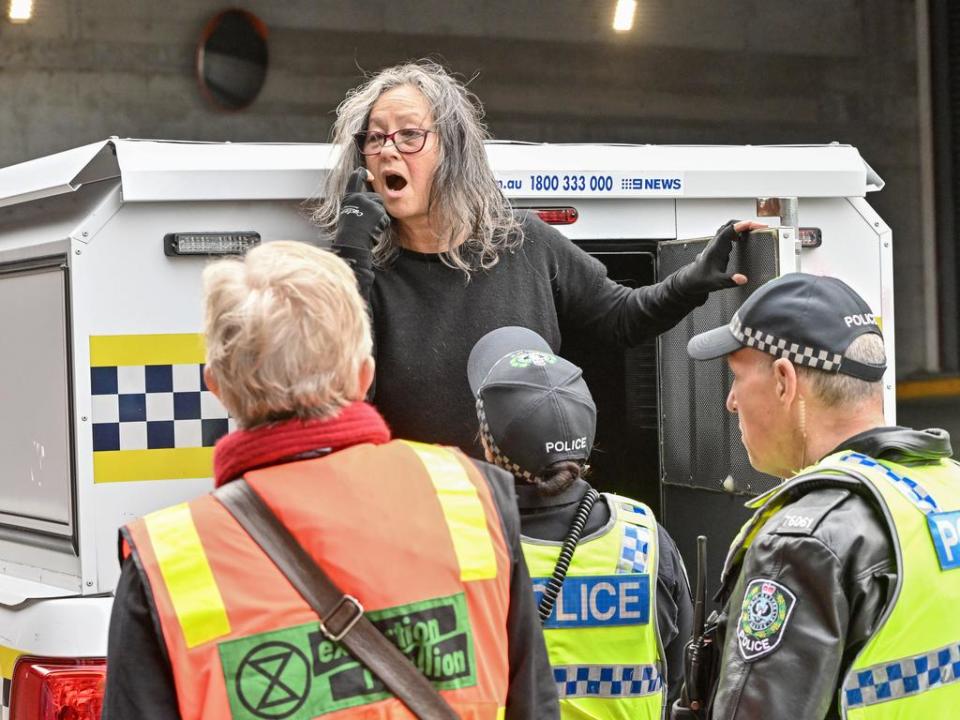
[
  {"x": 901, "y": 678},
  {"x": 634, "y": 549},
  {"x": 911, "y": 489},
  {"x": 606, "y": 681}
]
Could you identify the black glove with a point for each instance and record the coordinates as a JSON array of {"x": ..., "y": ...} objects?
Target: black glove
[
  {"x": 363, "y": 218},
  {"x": 708, "y": 271}
]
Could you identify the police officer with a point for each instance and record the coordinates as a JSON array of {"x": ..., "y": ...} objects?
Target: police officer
[
  {"x": 617, "y": 614},
  {"x": 422, "y": 540},
  {"x": 841, "y": 592}
]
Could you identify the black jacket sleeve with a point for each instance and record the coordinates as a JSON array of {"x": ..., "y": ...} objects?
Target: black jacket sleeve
[
  {"x": 360, "y": 261},
  {"x": 589, "y": 301},
  {"x": 674, "y": 610},
  {"x": 838, "y": 565},
  {"x": 532, "y": 694},
  {"x": 139, "y": 678}
]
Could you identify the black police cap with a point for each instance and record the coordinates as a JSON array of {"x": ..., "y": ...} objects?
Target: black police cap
[
  {"x": 809, "y": 319},
  {"x": 534, "y": 407}
]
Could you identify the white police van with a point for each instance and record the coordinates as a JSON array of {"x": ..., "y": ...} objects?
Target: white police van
[{"x": 103, "y": 411}]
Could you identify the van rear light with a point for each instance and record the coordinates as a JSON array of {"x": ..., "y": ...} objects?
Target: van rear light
[
  {"x": 557, "y": 216},
  {"x": 209, "y": 243},
  {"x": 57, "y": 688}
]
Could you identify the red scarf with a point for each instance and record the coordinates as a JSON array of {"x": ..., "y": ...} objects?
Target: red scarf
[{"x": 245, "y": 450}]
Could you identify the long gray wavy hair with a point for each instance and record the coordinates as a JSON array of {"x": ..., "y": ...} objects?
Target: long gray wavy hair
[{"x": 465, "y": 200}]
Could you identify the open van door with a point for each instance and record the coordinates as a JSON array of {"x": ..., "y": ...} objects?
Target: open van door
[{"x": 705, "y": 472}]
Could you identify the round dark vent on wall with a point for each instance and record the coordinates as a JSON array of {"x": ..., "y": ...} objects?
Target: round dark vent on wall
[{"x": 232, "y": 59}]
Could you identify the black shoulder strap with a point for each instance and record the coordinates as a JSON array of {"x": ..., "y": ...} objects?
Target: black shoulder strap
[{"x": 341, "y": 615}]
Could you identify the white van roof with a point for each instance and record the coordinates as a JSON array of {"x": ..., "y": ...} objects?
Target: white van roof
[{"x": 154, "y": 170}]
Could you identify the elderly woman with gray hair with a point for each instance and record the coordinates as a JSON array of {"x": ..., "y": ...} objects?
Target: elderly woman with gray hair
[{"x": 442, "y": 258}]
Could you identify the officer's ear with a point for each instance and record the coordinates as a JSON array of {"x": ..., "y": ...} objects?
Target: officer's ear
[
  {"x": 785, "y": 374},
  {"x": 365, "y": 377},
  {"x": 210, "y": 381}
]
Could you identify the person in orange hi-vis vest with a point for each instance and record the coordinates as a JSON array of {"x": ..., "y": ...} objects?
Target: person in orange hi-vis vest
[{"x": 427, "y": 541}]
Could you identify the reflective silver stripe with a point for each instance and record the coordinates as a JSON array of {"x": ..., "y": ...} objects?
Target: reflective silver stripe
[
  {"x": 902, "y": 678},
  {"x": 607, "y": 681}
]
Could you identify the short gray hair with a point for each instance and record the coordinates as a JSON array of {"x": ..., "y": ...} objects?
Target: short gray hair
[
  {"x": 286, "y": 333},
  {"x": 836, "y": 389},
  {"x": 465, "y": 200}
]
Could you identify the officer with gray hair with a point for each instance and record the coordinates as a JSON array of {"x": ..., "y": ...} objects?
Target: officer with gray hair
[{"x": 839, "y": 594}]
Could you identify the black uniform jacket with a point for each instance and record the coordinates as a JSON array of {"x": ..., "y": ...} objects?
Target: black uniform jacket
[
  {"x": 140, "y": 680},
  {"x": 549, "y": 518},
  {"x": 840, "y": 568}
]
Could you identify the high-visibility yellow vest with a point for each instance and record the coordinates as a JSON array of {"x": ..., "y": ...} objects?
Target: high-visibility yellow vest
[
  {"x": 910, "y": 667},
  {"x": 602, "y": 636}
]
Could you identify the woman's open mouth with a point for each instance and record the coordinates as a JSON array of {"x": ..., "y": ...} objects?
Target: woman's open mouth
[{"x": 394, "y": 182}]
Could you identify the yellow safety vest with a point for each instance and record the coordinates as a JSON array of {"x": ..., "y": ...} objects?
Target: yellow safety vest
[
  {"x": 910, "y": 667},
  {"x": 602, "y": 636}
]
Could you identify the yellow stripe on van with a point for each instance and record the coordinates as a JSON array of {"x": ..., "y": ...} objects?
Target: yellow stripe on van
[
  {"x": 187, "y": 575},
  {"x": 462, "y": 510},
  {"x": 8, "y": 658},
  {"x": 157, "y": 464},
  {"x": 169, "y": 349}
]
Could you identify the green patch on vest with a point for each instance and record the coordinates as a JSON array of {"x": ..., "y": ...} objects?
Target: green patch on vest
[
  {"x": 763, "y": 618},
  {"x": 296, "y": 673}
]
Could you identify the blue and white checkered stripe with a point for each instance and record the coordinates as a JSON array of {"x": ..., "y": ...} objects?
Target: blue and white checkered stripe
[
  {"x": 607, "y": 681},
  {"x": 147, "y": 407},
  {"x": 902, "y": 678},
  {"x": 631, "y": 510},
  {"x": 634, "y": 549},
  {"x": 911, "y": 489}
]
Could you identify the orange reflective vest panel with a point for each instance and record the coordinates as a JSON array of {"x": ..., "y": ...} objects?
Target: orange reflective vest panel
[{"x": 410, "y": 530}]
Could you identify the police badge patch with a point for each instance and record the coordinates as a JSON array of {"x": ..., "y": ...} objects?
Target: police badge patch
[
  {"x": 526, "y": 358},
  {"x": 763, "y": 618}
]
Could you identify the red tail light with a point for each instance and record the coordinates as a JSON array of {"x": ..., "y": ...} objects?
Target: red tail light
[
  {"x": 57, "y": 688},
  {"x": 557, "y": 216}
]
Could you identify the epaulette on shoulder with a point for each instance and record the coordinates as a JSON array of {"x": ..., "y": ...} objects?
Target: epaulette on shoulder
[{"x": 804, "y": 516}]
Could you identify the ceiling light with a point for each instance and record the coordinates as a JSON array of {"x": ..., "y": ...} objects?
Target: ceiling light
[
  {"x": 20, "y": 11},
  {"x": 623, "y": 15}
]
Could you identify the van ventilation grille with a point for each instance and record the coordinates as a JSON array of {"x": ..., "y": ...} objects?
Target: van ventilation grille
[{"x": 700, "y": 440}]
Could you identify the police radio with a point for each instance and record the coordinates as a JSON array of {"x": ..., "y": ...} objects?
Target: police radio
[{"x": 701, "y": 653}]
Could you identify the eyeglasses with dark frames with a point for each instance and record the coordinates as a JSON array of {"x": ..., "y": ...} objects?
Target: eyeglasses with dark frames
[{"x": 405, "y": 140}]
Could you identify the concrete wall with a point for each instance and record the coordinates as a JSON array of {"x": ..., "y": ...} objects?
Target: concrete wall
[{"x": 692, "y": 71}]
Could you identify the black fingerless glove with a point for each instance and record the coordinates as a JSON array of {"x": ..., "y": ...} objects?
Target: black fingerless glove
[
  {"x": 362, "y": 220},
  {"x": 708, "y": 271}
]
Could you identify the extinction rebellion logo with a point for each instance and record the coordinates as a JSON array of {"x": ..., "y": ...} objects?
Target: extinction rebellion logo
[
  {"x": 273, "y": 680},
  {"x": 298, "y": 673},
  {"x": 763, "y": 617}
]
